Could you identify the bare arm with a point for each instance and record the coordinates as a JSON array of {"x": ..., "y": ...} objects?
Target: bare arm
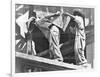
[
  {"x": 70, "y": 15},
  {"x": 66, "y": 24},
  {"x": 75, "y": 19}
]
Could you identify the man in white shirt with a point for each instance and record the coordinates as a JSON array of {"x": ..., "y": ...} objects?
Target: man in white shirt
[
  {"x": 80, "y": 38},
  {"x": 54, "y": 42}
]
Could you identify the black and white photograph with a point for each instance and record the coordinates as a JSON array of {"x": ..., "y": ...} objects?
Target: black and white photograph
[{"x": 53, "y": 38}]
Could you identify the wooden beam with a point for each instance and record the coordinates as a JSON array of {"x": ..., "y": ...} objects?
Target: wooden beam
[
  {"x": 67, "y": 47},
  {"x": 43, "y": 53},
  {"x": 45, "y": 63}
]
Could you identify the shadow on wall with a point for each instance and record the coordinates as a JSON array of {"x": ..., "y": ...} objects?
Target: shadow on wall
[{"x": 90, "y": 54}]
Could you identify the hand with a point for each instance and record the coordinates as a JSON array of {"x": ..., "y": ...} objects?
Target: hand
[{"x": 31, "y": 19}]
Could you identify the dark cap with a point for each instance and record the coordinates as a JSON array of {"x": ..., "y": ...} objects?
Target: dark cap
[{"x": 78, "y": 12}]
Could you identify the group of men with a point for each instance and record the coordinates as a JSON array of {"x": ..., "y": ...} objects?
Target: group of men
[{"x": 54, "y": 37}]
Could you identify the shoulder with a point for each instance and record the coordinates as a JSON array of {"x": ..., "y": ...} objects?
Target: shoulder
[{"x": 78, "y": 19}]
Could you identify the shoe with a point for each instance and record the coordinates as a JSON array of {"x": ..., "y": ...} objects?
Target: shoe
[
  {"x": 58, "y": 60},
  {"x": 86, "y": 65},
  {"x": 81, "y": 63}
]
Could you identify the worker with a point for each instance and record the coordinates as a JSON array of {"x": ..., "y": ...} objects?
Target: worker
[
  {"x": 30, "y": 27},
  {"x": 80, "y": 38},
  {"x": 54, "y": 41}
]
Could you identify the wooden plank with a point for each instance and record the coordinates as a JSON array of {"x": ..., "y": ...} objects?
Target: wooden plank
[{"x": 46, "y": 63}]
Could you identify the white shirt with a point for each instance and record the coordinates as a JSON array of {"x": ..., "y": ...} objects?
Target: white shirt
[
  {"x": 21, "y": 21},
  {"x": 80, "y": 30}
]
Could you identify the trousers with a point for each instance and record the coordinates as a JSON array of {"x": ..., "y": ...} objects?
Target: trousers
[
  {"x": 79, "y": 48},
  {"x": 54, "y": 43}
]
